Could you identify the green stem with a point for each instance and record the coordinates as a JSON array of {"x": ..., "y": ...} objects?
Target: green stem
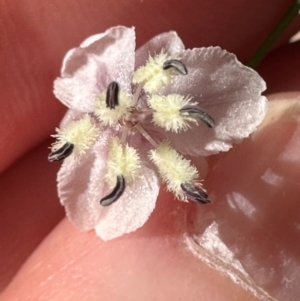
[{"x": 274, "y": 35}]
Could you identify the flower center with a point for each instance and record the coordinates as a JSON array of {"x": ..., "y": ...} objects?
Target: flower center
[{"x": 135, "y": 116}]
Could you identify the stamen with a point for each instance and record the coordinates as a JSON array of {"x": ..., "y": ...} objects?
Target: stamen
[
  {"x": 178, "y": 65},
  {"x": 174, "y": 169},
  {"x": 112, "y": 105},
  {"x": 62, "y": 153},
  {"x": 197, "y": 113},
  {"x": 195, "y": 194},
  {"x": 137, "y": 93},
  {"x": 152, "y": 76},
  {"x": 122, "y": 160},
  {"x": 82, "y": 134},
  {"x": 112, "y": 95},
  {"x": 116, "y": 193},
  {"x": 125, "y": 131},
  {"x": 146, "y": 135},
  {"x": 167, "y": 112}
]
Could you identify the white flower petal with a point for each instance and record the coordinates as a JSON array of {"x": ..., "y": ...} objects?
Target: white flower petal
[
  {"x": 134, "y": 207},
  {"x": 81, "y": 185},
  {"x": 169, "y": 41},
  {"x": 228, "y": 91},
  {"x": 88, "y": 69},
  {"x": 73, "y": 179}
]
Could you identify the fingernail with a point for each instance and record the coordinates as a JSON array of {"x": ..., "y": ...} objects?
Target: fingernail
[{"x": 251, "y": 231}]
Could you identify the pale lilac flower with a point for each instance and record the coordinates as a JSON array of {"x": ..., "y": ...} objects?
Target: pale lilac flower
[{"x": 130, "y": 110}]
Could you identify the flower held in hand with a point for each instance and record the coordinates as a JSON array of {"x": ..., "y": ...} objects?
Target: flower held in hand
[{"x": 133, "y": 115}]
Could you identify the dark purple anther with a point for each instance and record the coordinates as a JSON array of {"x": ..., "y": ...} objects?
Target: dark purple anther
[
  {"x": 62, "y": 153},
  {"x": 112, "y": 95},
  {"x": 116, "y": 192},
  {"x": 178, "y": 65},
  {"x": 197, "y": 113},
  {"x": 195, "y": 194}
]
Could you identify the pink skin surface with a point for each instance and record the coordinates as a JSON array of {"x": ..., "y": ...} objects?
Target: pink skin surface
[{"x": 152, "y": 263}]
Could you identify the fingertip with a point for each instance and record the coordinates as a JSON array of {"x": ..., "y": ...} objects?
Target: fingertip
[{"x": 255, "y": 211}]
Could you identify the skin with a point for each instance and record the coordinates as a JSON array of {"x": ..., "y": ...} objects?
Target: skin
[{"x": 47, "y": 258}]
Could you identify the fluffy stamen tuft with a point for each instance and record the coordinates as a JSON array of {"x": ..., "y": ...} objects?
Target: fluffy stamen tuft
[
  {"x": 167, "y": 113},
  {"x": 109, "y": 116},
  {"x": 82, "y": 133},
  {"x": 153, "y": 75},
  {"x": 174, "y": 169},
  {"x": 122, "y": 160}
]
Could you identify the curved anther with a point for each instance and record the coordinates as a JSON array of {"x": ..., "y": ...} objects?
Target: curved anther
[
  {"x": 178, "y": 65},
  {"x": 195, "y": 194},
  {"x": 116, "y": 193},
  {"x": 196, "y": 112},
  {"x": 61, "y": 153},
  {"x": 112, "y": 95}
]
